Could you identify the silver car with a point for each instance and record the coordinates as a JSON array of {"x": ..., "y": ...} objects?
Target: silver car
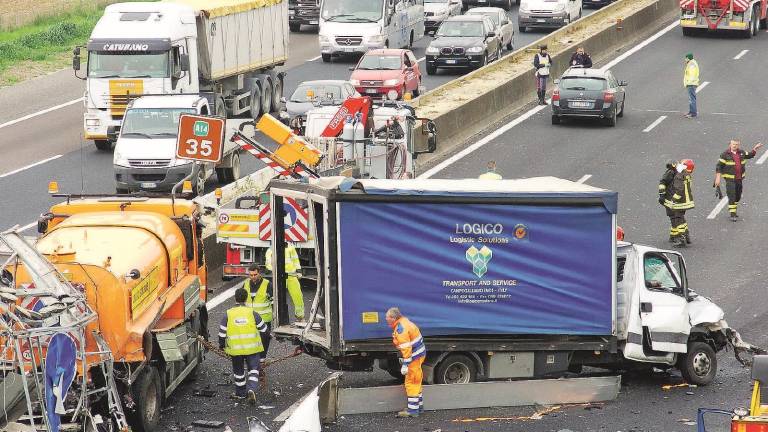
[
  {"x": 310, "y": 93},
  {"x": 504, "y": 27}
]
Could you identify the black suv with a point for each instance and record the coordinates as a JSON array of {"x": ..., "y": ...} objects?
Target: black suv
[{"x": 463, "y": 41}]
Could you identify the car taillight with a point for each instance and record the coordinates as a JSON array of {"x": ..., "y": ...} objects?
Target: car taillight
[
  {"x": 556, "y": 95},
  {"x": 748, "y": 426},
  {"x": 233, "y": 255},
  {"x": 608, "y": 97}
]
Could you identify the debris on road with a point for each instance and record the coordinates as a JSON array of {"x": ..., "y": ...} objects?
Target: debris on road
[
  {"x": 537, "y": 415},
  {"x": 205, "y": 393},
  {"x": 210, "y": 424},
  {"x": 667, "y": 387}
]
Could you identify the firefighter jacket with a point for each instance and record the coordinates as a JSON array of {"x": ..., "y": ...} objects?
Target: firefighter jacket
[
  {"x": 407, "y": 338},
  {"x": 727, "y": 167},
  {"x": 240, "y": 331},
  {"x": 681, "y": 195},
  {"x": 665, "y": 184},
  {"x": 260, "y": 299},
  {"x": 691, "y": 77}
]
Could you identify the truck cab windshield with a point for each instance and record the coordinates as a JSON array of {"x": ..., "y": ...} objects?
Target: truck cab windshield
[
  {"x": 352, "y": 11},
  {"x": 153, "y": 122},
  {"x": 128, "y": 65}
]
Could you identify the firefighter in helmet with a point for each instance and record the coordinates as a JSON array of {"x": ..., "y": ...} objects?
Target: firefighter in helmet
[{"x": 679, "y": 199}]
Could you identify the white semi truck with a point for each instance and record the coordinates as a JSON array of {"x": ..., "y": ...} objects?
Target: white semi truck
[{"x": 225, "y": 50}]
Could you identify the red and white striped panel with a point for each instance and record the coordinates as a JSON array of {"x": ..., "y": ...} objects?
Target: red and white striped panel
[
  {"x": 685, "y": 3},
  {"x": 297, "y": 232},
  {"x": 741, "y": 5},
  {"x": 260, "y": 155}
]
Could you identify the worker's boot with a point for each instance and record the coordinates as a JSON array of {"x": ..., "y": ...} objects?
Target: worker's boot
[
  {"x": 541, "y": 98},
  {"x": 680, "y": 241},
  {"x": 688, "y": 236}
]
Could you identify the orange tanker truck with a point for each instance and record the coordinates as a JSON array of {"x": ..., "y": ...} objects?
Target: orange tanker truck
[{"x": 141, "y": 265}]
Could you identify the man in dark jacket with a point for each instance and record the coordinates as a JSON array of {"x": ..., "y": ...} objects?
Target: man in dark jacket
[
  {"x": 581, "y": 58},
  {"x": 541, "y": 63},
  {"x": 732, "y": 166},
  {"x": 665, "y": 186}
]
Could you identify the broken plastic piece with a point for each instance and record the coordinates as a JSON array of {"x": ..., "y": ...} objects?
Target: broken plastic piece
[{"x": 211, "y": 424}]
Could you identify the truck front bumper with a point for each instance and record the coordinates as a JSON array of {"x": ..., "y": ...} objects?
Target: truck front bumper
[
  {"x": 96, "y": 123},
  {"x": 150, "y": 179}
]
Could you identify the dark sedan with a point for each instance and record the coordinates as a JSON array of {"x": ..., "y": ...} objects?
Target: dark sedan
[
  {"x": 463, "y": 41},
  {"x": 591, "y": 93}
]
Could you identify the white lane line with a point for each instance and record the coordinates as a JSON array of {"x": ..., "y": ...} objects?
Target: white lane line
[
  {"x": 718, "y": 208},
  {"x": 314, "y": 58},
  {"x": 741, "y": 54},
  {"x": 655, "y": 123},
  {"x": 584, "y": 178},
  {"x": 221, "y": 298},
  {"x": 701, "y": 86},
  {"x": 762, "y": 158},
  {"x": 421, "y": 60},
  {"x": 28, "y": 226},
  {"x": 525, "y": 116},
  {"x": 39, "y": 113},
  {"x": 29, "y": 166}
]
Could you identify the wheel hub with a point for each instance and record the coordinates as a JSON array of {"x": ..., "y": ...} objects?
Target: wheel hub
[
  {"x": 701, "y": 364},
  {"x": 457, "y": 373}
]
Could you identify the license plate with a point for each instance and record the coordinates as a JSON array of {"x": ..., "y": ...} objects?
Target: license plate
[
  {"x": 541, "y": 20},
  {"x": 578, "y": 104},
  {"x": 149, "y": 185},
  {"x": 371, "y": 91},
  {"x": 450, "y": 61},
  {"x": 313, "y": 22}
]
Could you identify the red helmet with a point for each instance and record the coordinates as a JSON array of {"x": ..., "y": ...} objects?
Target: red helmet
[
  {"x": 619, "y": 233},
  {"x": 688, "y": 164}
]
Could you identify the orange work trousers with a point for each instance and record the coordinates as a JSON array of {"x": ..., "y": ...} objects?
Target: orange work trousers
[{"x": 413, "y": 385}]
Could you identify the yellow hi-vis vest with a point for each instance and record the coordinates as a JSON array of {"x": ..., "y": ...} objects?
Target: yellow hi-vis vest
[
  {"x": 691, "y": 77},
  {"x": 261, "y": 302},
  {"x": 243, "y": 336},
  {"x": 490, "y": 175},
  {"x": 292, "y": 264}
]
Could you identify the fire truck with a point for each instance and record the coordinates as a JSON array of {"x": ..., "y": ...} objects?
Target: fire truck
[
  {"x": 357, "y": 139},
  {"x": 745, "y": 16}
]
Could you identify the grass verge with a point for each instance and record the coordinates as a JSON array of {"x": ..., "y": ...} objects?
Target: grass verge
[{"x": 44, "y": 45}]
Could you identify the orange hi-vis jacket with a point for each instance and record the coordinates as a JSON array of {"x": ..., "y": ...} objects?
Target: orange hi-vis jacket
[{"x": 407, "y": 338}]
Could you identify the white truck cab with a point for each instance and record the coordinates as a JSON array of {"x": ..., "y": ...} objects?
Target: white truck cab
[
  {"x": 145, "y": 150},
  {"x": 356, "y": 26},
  {"x": 547, "y": 13}
]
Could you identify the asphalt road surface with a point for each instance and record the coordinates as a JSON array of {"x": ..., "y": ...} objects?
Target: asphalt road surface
[{"x": 725, "y": 261}]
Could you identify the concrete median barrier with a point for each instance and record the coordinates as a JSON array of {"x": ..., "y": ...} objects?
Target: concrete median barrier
[{"x": 468, "y": 105}]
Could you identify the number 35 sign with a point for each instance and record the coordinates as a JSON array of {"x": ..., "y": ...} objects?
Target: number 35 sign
[{"x": 200, "y": 138}]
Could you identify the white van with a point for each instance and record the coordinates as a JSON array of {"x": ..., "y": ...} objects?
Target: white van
[
  {"x": 547, "y": 13},
  {"x": 356, "y": 26}
]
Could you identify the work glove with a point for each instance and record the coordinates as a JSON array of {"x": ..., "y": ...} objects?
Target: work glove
[
  {"x": 718, "y": 192},
  {"x": 404, "y": 370},
  {"x": 661, "y": 200}
]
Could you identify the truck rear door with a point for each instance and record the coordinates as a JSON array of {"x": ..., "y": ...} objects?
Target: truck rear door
[{"x": 663, "y": 303}]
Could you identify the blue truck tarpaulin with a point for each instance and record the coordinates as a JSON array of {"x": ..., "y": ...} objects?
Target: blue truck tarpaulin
[{"x": 477, "y": 269}]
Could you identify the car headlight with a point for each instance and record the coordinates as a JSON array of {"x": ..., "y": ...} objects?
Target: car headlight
[
  {"x": 354, "y": 82},
  {"x": 432, "y": 50},
  {"x": 475, "y": 49},
  {"x": 392, "y": 82},
  {"x": 120, "y": 160},
  {"x": 376, "y": 39},
  {"x": 323, "y": 39}
]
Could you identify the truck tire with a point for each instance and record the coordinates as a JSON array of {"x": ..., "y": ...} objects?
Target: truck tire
[
  {"x": 456, "y": 369},
  {"x": 198, "y": 188},
  {"x": 295, "y": 27},
  {"x": 231, "y": 173},
  {"x": 255, "y": 103},
  {"x": 266, "y": 96},
  {"x": 699, "y": 365},
  {"x": 277, "y": 94},
  {"x": 148, "y": 395},
  {"x": 103, "y": 145},
  {"x": 220, "y": 108}
]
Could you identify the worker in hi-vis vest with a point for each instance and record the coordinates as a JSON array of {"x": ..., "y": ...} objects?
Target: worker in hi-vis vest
[
  {"x": 293, "y": 272},
  {"x": 240, "y": 335}
]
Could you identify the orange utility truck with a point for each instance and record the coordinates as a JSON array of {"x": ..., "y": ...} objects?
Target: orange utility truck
[{"x": 141, "y": 265}]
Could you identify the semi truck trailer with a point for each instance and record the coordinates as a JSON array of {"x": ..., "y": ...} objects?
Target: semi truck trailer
[
  {"x": 506, "y": 279},
  {"x": 227, "y": 50}
]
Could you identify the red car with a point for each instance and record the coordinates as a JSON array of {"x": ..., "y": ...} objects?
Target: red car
[{"x": 382, "y": 70}]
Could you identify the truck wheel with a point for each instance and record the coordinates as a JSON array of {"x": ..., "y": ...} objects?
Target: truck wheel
[
  {"x": 295, "y": 27},
  {"x": 148, "y": 395},
  {"x": 255, "y": 103},
  {"x": 326, "y": 58},
  {"x": 456, "y": 369},
  {"x": 103, "y": 145},
  {"x": 699, "y": 365},
  {"x": 229, "y": 174},
  {"x": 199, "y": 186},
  {"x": 221, "y": 108},
  {"x": 266, "y": 94},
  {"x": 277, "y": 94}
]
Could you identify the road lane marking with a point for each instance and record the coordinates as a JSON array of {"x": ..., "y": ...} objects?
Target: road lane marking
[
  {"x": 16, "y": 171},
  {"x": 718, "y": 208},
  {"x": 701, "y": 86},
  {"x": 525, "y": 116},
  {"x": 741, "y": 54},
  {"x": 39, "y": 113},
  {"x": 421, "y": 60},
  {"x": 655, "y": 123},
  {"x": 221, "y": 298},
  {"x": 584, "y": 178},
  {"x": 762, "y": 158},
  {"x": 28, "y": 226},
  {"x": 314, "y": 58}
]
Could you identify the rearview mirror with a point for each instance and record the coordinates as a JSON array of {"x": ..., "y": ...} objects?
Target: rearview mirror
[
  {"x": 76, "y": 59},
  {"x": 428, "y": 129},
  {"x": 184, "y": 62}
]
